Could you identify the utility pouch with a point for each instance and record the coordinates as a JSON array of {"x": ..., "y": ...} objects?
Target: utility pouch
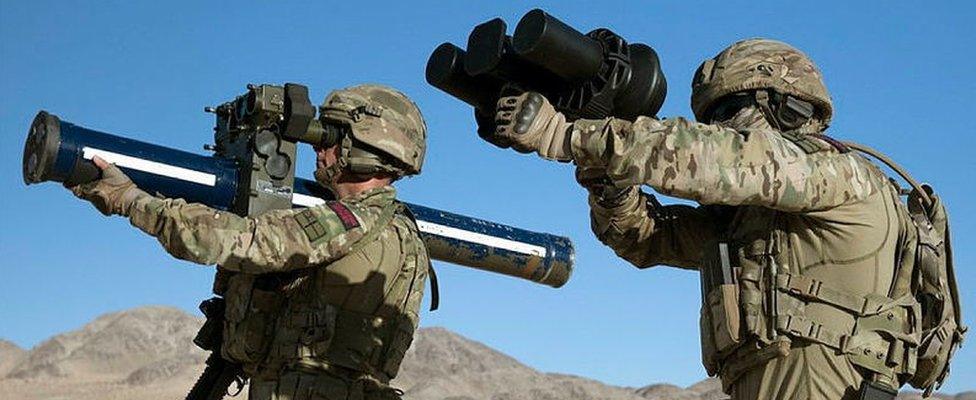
[
  {"x": 873, "y": 391},
  {"x": 720, "y": 313},
  {"x": 249, "y": 322},
  {"x": 396, "y": 349},
  {"x": 315, "y": 329}
]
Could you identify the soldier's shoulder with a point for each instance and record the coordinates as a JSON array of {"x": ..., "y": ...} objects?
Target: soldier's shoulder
[
  {"x": 407, "y": 219},
  {"x": 332, "y": 218},
  {"x": 816, "y": 143}
]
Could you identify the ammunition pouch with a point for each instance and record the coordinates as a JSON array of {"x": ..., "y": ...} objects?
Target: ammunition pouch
[
  {"x": 720, "y": 330},
  {"x": 732, "y": 303},
  {"x": 371, "y": 344},
  {"x": 302, "y": 333},
  {"x": 249, "y": 319}
]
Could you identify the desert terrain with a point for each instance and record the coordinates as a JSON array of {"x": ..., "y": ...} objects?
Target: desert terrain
[{"x": 147, "y": 353}]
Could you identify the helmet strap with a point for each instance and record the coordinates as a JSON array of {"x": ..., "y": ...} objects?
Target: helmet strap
[
  {"x": 784, "y": 112},
  {"x": 362, "y": 162},
  {"x": 763, "y": 101},
  {"x": 329, "y": 175}
]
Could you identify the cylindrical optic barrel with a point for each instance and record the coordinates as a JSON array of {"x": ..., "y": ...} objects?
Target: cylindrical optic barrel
[
  {"x": 490, "y": 54},
  {"x": 647, "y": 88},
  {"x": 60, "y": 151},
  {"x": 549, "y": 43},
  {"x": 445, "y": 71}
]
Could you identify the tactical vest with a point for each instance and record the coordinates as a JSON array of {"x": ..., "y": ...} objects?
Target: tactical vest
[
  {"x": 275, "y": 322},
  {"x": 775, "y": 278}
]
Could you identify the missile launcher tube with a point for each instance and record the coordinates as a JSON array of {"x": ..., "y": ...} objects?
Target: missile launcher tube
[{"x": 60, "y": 151}]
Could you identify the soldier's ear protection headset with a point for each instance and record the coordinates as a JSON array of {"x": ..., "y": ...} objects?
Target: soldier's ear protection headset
[{"x": 785, "y": 112}]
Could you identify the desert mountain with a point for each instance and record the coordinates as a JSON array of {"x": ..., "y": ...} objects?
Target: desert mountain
[
  {"x": 147, "y": 353},
  {"x": 115, "y": 344},
  {"x": 10, "y": 355}
]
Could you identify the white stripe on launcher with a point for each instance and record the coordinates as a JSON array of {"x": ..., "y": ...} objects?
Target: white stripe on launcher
[
  {"x": 447, "y": 231},
  {"x": 480, "y": 238},
  {"x": 151, "y": 167},
  {"x": 305, "y": 200}
]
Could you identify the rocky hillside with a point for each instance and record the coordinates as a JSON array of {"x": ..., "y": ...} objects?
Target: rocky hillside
[
  {"x": 444, "y": 365},
  {"x": 115, "y": 344},
  {"x": 10, "y": 356},
  {"x": 146, "y": 353}
]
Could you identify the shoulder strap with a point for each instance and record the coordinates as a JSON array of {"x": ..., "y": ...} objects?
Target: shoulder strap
[
  {"x": 386, "y": 217},
  {"x": 803, "y": 141},
  {"x": 894, "y": 166},
  {"x": 435, "y": 295}
]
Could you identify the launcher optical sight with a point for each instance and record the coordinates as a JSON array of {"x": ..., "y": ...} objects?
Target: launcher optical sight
[{"x": 596, "y": 75}]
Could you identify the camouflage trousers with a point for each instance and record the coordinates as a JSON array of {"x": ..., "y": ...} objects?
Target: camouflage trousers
[
  {"x": 809, "y": 372},
  {"x": 299, "y": 385}
]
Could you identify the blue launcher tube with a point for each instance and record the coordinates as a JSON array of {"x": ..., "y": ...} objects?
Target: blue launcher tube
[{"x": 60, "y": 151}]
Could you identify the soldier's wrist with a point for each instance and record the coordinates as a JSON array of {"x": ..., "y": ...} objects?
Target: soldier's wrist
[
  {"x": 557, "y": 144},
  {"x": 613, "y": 197},
  {"x": 130, "y": 198},
  {"x": 586, "y": 142}
]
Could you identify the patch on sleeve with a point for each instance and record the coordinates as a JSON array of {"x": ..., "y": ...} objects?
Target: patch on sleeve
[
  {"x": 840, "y": 146},
  {"x": 345, "y": 215},
  {"x": 313, "y": 228}
]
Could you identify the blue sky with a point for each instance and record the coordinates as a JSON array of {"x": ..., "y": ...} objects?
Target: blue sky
[{"x": 901, "y": 76}]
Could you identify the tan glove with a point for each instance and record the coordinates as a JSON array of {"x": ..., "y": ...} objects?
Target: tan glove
[
  {"x": 113, "y": 193},
  {"x": 529, "y": 123}
]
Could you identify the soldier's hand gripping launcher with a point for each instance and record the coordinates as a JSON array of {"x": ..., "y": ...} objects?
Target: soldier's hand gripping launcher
[
  {"x": 252, "y": 170},
  {"x": 596, "y": 75}
]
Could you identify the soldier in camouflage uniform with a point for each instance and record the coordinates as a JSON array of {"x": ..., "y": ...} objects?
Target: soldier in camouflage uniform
[
  {"x": 322, "y": 302},
  {"x": 796, "y": 238}
]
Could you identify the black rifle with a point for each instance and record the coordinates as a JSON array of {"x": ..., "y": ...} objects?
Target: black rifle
[{"x": 219, "y": 373}]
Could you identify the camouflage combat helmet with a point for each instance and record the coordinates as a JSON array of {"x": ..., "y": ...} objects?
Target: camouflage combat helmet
[
  {"x": 386, "y": 131},
  {"x": 760, "y": 64}
]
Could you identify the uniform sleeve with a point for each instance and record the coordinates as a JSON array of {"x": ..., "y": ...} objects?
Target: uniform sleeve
[
  {"x": 648, "y": 235},
  {"x": 275, "y": 241},
  {"x": 716, "y": 165}
]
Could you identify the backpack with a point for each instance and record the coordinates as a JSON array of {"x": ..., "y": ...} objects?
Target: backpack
[{"x": 930, "y": 280}]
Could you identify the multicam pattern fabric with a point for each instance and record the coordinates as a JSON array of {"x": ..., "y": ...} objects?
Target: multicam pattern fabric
[
  {"x": 384, "y": 119},
  {"x": 718, "y": 165},
  {"x": 272, "y": 242}
]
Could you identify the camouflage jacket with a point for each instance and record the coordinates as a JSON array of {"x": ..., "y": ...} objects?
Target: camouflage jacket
[
  {"x": 714, "y": 166},
  {"x": 359, "y": 312},
  {"x": 796, "y": 238}
]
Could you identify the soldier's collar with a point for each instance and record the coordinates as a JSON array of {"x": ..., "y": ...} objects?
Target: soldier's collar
[{"x": 382, "y": 194}]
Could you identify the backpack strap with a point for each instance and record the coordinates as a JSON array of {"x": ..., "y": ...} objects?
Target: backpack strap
[{"x": 894, "y": 166}]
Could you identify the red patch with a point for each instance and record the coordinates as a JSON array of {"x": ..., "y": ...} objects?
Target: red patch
[
  {"x": 840, "y": 146},
  {"x": 345, "y": 215}
]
